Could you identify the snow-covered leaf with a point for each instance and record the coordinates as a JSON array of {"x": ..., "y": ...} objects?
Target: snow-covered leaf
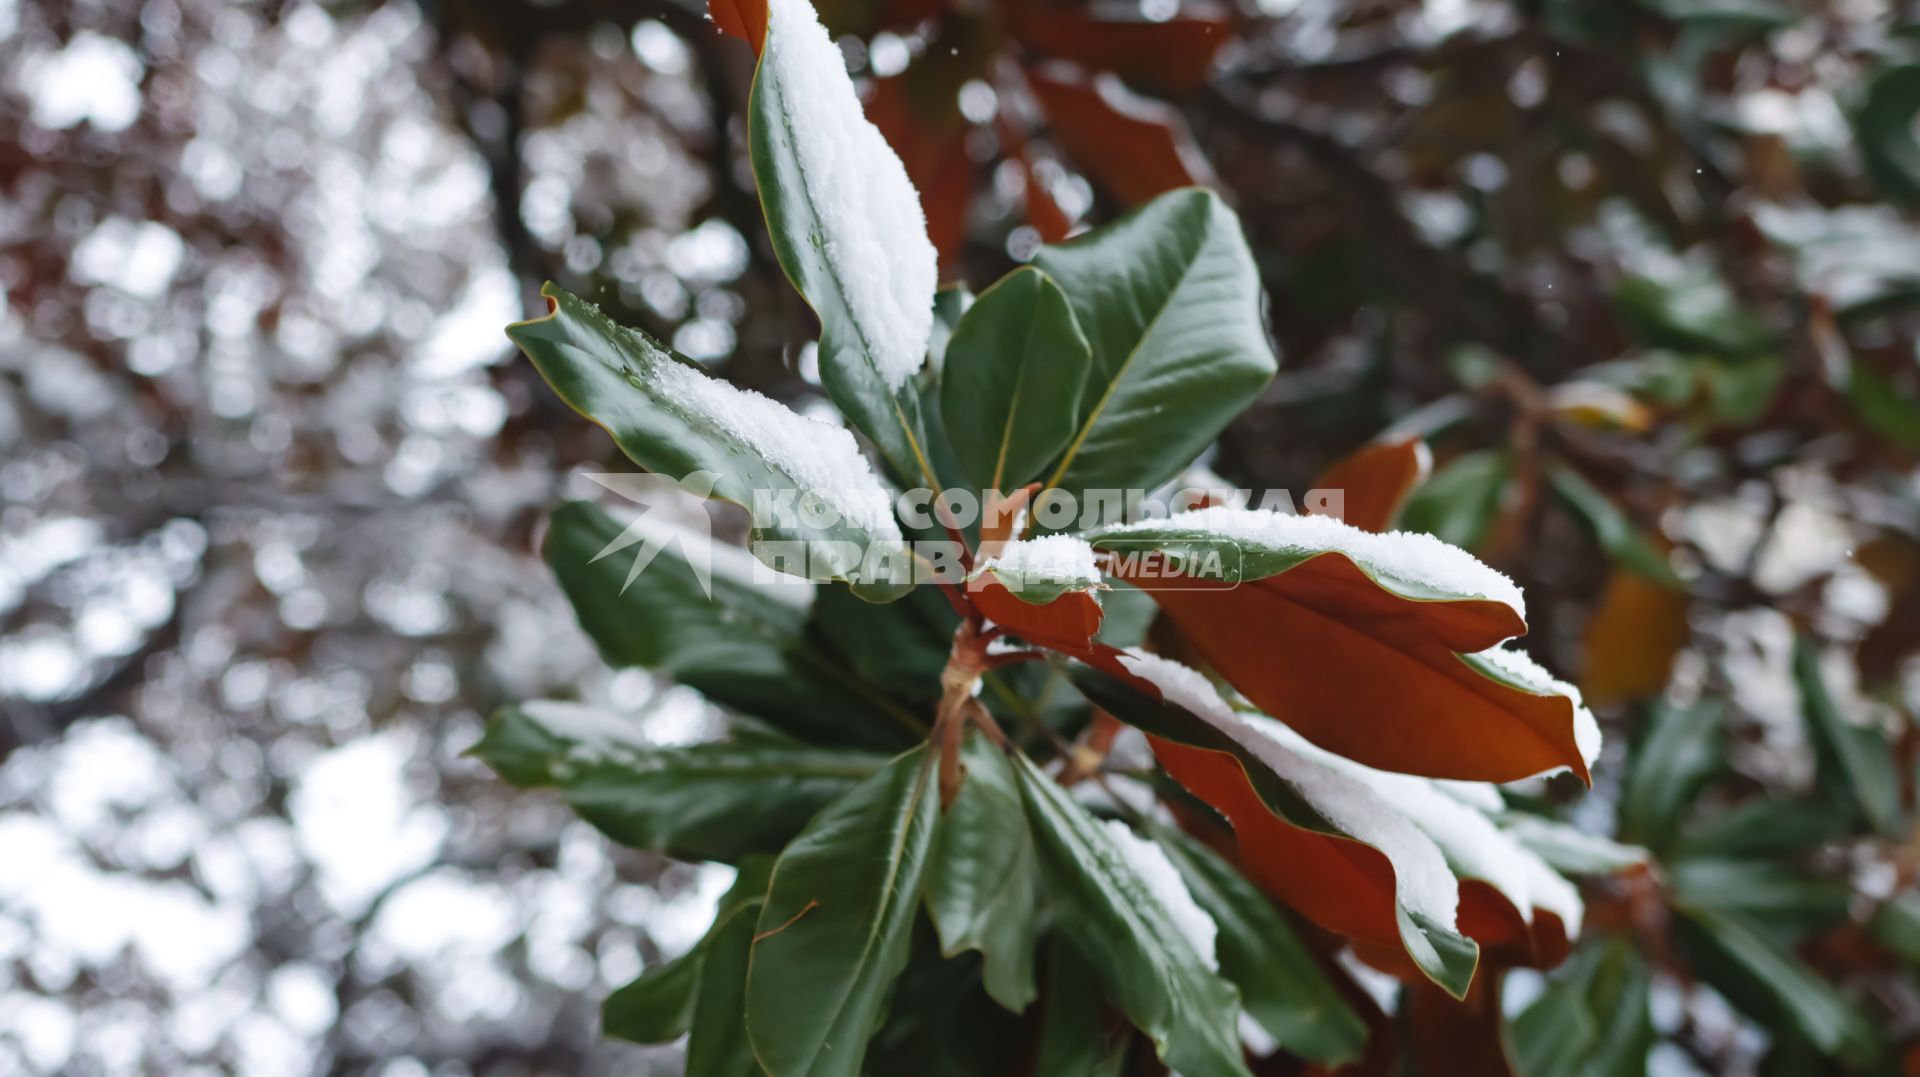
[
  {"x": 848, "y": 229},
  {"x": 1360, "y": 639},
  {"x": 1124, "y": 931},
  {"x": 676, "y": 421},
  {"x": 744, "y": 644},
  {"x": 1320, "y": 840},
  {"x": 716, "y": 801}
]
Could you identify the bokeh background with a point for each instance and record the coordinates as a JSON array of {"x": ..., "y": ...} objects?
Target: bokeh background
[{"x": 270, "y": 480}]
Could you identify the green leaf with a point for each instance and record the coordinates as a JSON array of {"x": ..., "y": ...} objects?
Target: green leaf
[
  {"x": 745, "y": 647},
  {"x": 1680, "y": 753},
  {"x": 1281, "y": 984},
  {"x": 718, "y": 1046},
  {"x": 1896, "y": 925},
  {"x": 1118, "y": 927},
  {"x": 675, "y": 421},
  {"x": 950, "y": 304},
  {"x": 1693, "y": 311},
  {"x": 812, "y": 230},
  {"x": 1765, "y": 827},
  {"x": 1126, "y": 614},
  {"x": 1012, "y": 379},
  {"x": 1170, "y": 300},
  {"x": 666, "y": 1001},
  {"x": 1568, "y": 849},
  {"x": 941, "y": 1022},
  {"x": 1591, "y": 1021},
  {"x": 1458, "y": 503},
  {"x": 1080, "y": 1035},
  {"x": 1855, "y": 761},
  {"x": 983, "y": 882},
  {"x": 899, "y": 647},
  {"x": 657, "y": 1007},
  {"x": 1880, "y": 405},
  {"x": 1626, "y": 544},
  {"x": 837, "y": 923},
  {"x": 1884, "y": 125},
  {"x": 702, "y": 802},
  {"x": 1771, "y": 893},
  {"x": 1756, "y": 974}
]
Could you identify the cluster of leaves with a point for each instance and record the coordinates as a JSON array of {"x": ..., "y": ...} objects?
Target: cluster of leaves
[{"x": 954, "y": 747}]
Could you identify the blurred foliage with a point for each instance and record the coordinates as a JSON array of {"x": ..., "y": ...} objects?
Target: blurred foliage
[{"x": 1643, "y": 272}]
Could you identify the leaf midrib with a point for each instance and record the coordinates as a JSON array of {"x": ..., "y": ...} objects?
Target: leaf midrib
[
  {"x": 866, "y": 346},
  {"x": 889, "y": 890},
  {"x": 1100, "y": 406}
]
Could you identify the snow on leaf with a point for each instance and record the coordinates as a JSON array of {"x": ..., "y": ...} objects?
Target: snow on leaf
[
  {"x": 1423, "y": 883},
  {"x": 1163, "y": 882},
  {"x": 874, "y": 233},
  {"x": 1519, "y": 669},
  {"x": 1417, "y": 561}
]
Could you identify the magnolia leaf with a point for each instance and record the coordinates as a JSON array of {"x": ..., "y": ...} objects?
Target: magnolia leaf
[
  {"x": 1041, "y": 590},
  {"x": 1385, "y": 641},
  {"x": 1592, "y": 1020},
  {"x": 723, "y": 442},
  {"x": 718, "y": 1046},
  {"x": 1636, "y": 631},
  {"x": 1884, "y": 124},
  {"x": 899, "y": 648},
  {"x": 1458, "y": 504},
  {"x": 835, "y": 929},
  {"x": 1756, "y": 973},
  {"x": 1768, "y": 893},
  {"x": 1280, "y": 982},
  {"x": 983, "y": 881},
  {"x": 1626, "y": 544},
  {"x": 1376, "y": 480},
  {"x": 1012, "y": 379},
  {"x": 847, "y": 228},
  {"x": 1766, "y": 827},
  {"x": 1172, "y": 54},
  {"x": 740, "y": 642},
  {"x": 1681, "y": 751},
  {"x": 1080, "y": 1035},
  {"x": 673, "y": 998},
  {"x": 1855, "y": 760},
  {"x": 716, "y": 801},
  {"x": 1133, "y": 147},
  {"x": 1128, "y": 939},
  {"x": 1568, "y": 849},
  {"x": 744, "y": 19},
  {"x": 1371, "y": 875},
  {"x": 657, "y": 1007},
  {"x": 1170, "y": 300}
]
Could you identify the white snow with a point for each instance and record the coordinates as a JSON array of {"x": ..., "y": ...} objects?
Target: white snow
[
  {"x": 1396, "y": 556},
  {"x": 1474, "y": 846},
  {"x": 587, "y": 727},
  {"x": 823, "y": 460},
  {"x": 1482, "y": 795},
  {"x": 1520, "y": 668},
  {"x": 1422, "y": 881},
  {"x": 1053, "y": 559},
  {"x": 874, "y": 231},
  {"x": 1162, "y": 880},
  {"x": 1552, "y": 893}
]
